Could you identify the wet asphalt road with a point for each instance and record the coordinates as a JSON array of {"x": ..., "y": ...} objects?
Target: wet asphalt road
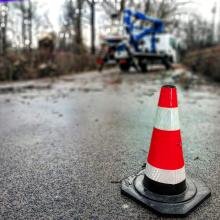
[{"x": 65, "y": 148}]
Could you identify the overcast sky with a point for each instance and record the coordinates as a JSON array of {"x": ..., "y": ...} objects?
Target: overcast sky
[{"x": 201, "y": 6}]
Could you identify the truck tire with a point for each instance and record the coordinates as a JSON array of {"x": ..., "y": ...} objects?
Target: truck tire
[
  {"x": 143, "y": 66},
  {"x": 166, "y": 62},
  {"x": 124, "y": 67}
]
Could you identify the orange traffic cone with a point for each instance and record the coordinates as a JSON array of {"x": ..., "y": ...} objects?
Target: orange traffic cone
[{"x": 163, "y": 186}]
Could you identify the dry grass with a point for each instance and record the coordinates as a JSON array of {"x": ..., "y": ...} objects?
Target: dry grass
[
  {"x": 17, "y": 66},
  {"x": 205, "y": 61},
  {"x": 73, "y": 63}
]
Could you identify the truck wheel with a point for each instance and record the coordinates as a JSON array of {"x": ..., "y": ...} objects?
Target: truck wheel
[
  {"x": 167, "y": 66},
  {"x": 124, "y": 66},
  {"x": 166, "y": 63},
  {"x": 143, "y": 66}
]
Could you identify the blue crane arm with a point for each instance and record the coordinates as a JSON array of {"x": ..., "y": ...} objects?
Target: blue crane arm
[
  {"x": 156, "y": 27},
  {"x": 157, "y": 24}
]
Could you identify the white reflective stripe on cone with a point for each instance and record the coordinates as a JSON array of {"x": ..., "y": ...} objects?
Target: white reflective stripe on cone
[
  {"x": 167, "y": 119},
  {"x": 165, "y": 176}
]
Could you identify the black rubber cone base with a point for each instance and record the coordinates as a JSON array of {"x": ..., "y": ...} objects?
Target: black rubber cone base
[{"x": 173, "y": 205}]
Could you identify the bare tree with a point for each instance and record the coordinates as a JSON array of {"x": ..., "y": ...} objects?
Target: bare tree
[
  {"x": 42, "y": 23},
  {"x": 92, "y": 4},
  {"x": 114, "y": 7},
  {"x": 68, "y": 19},
  {"x": 148, "y": 6},
  {"x": 3, "y": 28},
  {"x": 72, "y": 23},
  {"x": 122, "y": 6},
  {"x": 198, "y": 33},
  {"x": 27, "y": 13},
  {"x": 78, "y": 25},
  {"x": 214, "y": 11}
]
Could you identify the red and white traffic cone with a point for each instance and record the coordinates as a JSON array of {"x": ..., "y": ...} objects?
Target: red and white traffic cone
[
  {"x": 165, "y": 170},
  {"x": 163, "y": 186}
]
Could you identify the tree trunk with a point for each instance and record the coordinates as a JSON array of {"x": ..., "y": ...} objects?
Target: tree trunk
[
  {"x": 23, "y": 27},
  {"x": 92, "y": 27},
  {"x": 30, "y": 12},
  {"x": 147, "y": 6},
  {"x": 3, "y": 31},
  {"x": 122, "y": 6},
  {"x": 78, "y": 29}
]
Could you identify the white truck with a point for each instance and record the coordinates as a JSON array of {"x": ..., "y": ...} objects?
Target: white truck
[
  {"x": 166, "y": 54},
  {"x": 166, "y": 44}
]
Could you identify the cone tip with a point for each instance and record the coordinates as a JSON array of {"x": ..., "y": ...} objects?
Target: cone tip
[
  {"x": 168, "y": 97},
  {"x": 169, "y": 86}
]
